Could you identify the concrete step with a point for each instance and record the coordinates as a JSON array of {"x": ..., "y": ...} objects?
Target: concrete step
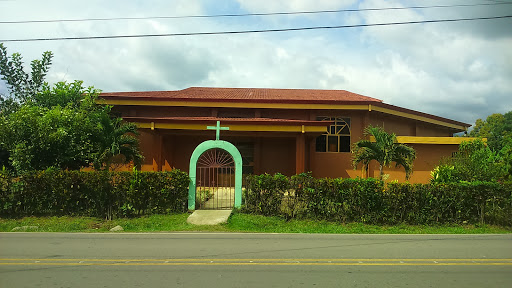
[{"x": 209, "y": 217}]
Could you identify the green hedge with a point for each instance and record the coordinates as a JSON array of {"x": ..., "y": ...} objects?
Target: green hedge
[
  {"x": 372, "y": 201},
  {"x": 100, "y": 194}
]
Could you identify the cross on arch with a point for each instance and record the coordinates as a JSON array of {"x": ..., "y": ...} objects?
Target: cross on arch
[{"x": 217, "y": 128}]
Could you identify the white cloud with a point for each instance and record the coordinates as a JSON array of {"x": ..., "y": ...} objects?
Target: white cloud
[
  {"x": 256, "y": 6},
  {"x": 460, "y": 71}
]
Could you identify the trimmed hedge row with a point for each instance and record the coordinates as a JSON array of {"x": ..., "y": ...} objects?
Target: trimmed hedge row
[
  {"x": 372, "y": 201},
  {"x": 97, "y": 193}
]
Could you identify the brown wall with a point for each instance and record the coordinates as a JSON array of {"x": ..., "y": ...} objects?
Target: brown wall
[
  {"x": 277, "y": 156},
  {"x": 395, "y": 125},
  {"x": 430, "y": 130}
]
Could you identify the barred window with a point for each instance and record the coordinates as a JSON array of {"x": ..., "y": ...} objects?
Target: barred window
[{"x": 337, "y": 137}]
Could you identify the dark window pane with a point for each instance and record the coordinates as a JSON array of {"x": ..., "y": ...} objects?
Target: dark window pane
[
  {"x": 247, "y": 169},
  {"x": 320, "y": 143},
  {"x": 345, "y": 130},
  {"x": 345, "y": 144},
  {"x": 332, "y": 129},
  {"x": 333, "y": 144}
]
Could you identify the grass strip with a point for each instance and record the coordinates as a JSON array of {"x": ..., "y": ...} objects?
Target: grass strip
[{"x": 237, "y": 223}]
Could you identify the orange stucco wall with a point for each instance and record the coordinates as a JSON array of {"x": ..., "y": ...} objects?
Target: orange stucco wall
[
  {"x": 428, "y": 157},
  {"x": 276, "y": 151}
]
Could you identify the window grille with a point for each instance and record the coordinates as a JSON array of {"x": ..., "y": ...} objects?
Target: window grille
[{"x": 337, "y": 136}]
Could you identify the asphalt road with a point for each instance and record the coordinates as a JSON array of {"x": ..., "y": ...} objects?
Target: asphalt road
[{"x": 254, "y": 260}]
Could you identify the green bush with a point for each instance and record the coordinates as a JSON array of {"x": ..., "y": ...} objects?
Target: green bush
[
  {"x": 97, "y": 193},
  {"x": 265, "y": 193},
  {"x": 370, "y": 201}
]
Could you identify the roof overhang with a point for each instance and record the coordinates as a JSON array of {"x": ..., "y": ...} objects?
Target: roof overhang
[
  {"x": 431, "y": 140},
  {"x": 235, "y": 124},
  {"x": 369, "y": 104}
]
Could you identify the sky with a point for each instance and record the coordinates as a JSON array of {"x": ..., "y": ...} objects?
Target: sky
[{"x": 458, "y": 70}]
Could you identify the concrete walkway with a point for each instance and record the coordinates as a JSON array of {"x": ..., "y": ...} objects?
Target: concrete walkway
[
  {"x": 220, "y": 198},
  {"x": 209, "y": 217}
]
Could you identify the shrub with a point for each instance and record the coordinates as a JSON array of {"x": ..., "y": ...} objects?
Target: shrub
[
  {"x": 97, "y": 193},
  {"x": 264, "y": 193},
  {"x": 370, "y": 201}
]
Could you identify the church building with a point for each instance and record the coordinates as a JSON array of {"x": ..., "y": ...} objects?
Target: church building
[{"x": 289, "y": 131}]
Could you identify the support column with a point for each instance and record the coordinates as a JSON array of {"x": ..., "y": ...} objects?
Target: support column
[
  {"x": 257, "y": 156},
  {"x": 300, "y": 154},
  {"x": 167, "y": 153},
  {"x": 157, "y": 155},
  {"x": 365, "y": 123}
]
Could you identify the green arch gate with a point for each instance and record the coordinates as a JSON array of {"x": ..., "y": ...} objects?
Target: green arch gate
[
  {"x": 215, "y": 180},
  {"x": 215, "y": 175}
]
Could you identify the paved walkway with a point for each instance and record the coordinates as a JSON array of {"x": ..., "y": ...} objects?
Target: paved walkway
[{"x": 209, "y": 217}]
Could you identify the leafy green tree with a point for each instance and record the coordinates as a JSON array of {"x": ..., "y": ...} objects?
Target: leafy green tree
[
  {"x": 60, "y": 126},
  {"x": 22, "y": 85},
  {"x": 506, "y": 155},
  {"x": 474, "y": 161},
  {"x": 495, "y": 128},
  {"x": 384, "y": 150},
  {"x": 63, "y": 127}
]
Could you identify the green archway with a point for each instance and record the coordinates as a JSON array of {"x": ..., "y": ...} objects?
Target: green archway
[{"x": 237, "y": 158}]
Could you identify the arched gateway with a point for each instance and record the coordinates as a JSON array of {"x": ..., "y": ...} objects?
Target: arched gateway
[{"x": 211, "y": 147}]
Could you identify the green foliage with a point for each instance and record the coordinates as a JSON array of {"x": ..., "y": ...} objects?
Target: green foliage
[
  {"x": 384, "y": 150},
  {"x": 98, "y": 194},
  {"x": 474, "y": 161},
  {"x": 265, "y": 192},
  {"x": 64, "y": 128},
  {"x": 70, "y": 95},
  {"x": 60, "y": 126},
  {"x": 506, "y": 156},
  {"x": 370, "y": 201},
  {"x": 495, "y": 128},
  {"x": 22, "y": 85},
  {"x": 115, "y": 143},
  {"x": 444, "y": 173}
]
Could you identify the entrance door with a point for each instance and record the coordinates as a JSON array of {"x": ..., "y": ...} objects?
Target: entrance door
[{"x": 215, "y": 180}]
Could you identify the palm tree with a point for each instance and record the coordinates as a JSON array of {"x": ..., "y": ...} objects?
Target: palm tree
[
  {"x": 384, "y": 150},
  {"x": 117, "y": 143}
]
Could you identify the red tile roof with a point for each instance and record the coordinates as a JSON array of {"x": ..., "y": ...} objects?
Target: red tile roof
[
  {"x": 258, "y": 95},
  {"x": 266, "y": 95}
]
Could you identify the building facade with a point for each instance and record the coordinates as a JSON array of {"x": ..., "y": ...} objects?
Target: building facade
[{"x": 289, "y": 131}]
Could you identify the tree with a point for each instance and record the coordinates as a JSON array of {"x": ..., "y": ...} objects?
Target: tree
[
  {"x": 63, "y": 127},
  {"x": 384, "y": 150},
  {"x": 60, "y": 126},
  {"x": 22, "y": 85},
  {"x": 116, "y": 143},
  {"x": 506, "y": 154},
  {"x": 474, "y": 161},
  {"x": 495, "y": 128}
]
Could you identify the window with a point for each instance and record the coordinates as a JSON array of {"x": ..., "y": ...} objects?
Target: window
[
  {"x": 247, "y": 151},
  {"x": 337, "y": 137}
]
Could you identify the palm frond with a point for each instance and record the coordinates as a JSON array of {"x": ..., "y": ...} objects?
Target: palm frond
[{"x": 384, "y": 150}]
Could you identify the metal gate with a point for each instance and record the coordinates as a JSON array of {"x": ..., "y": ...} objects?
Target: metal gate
[{"x": 215, "y": 180}]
